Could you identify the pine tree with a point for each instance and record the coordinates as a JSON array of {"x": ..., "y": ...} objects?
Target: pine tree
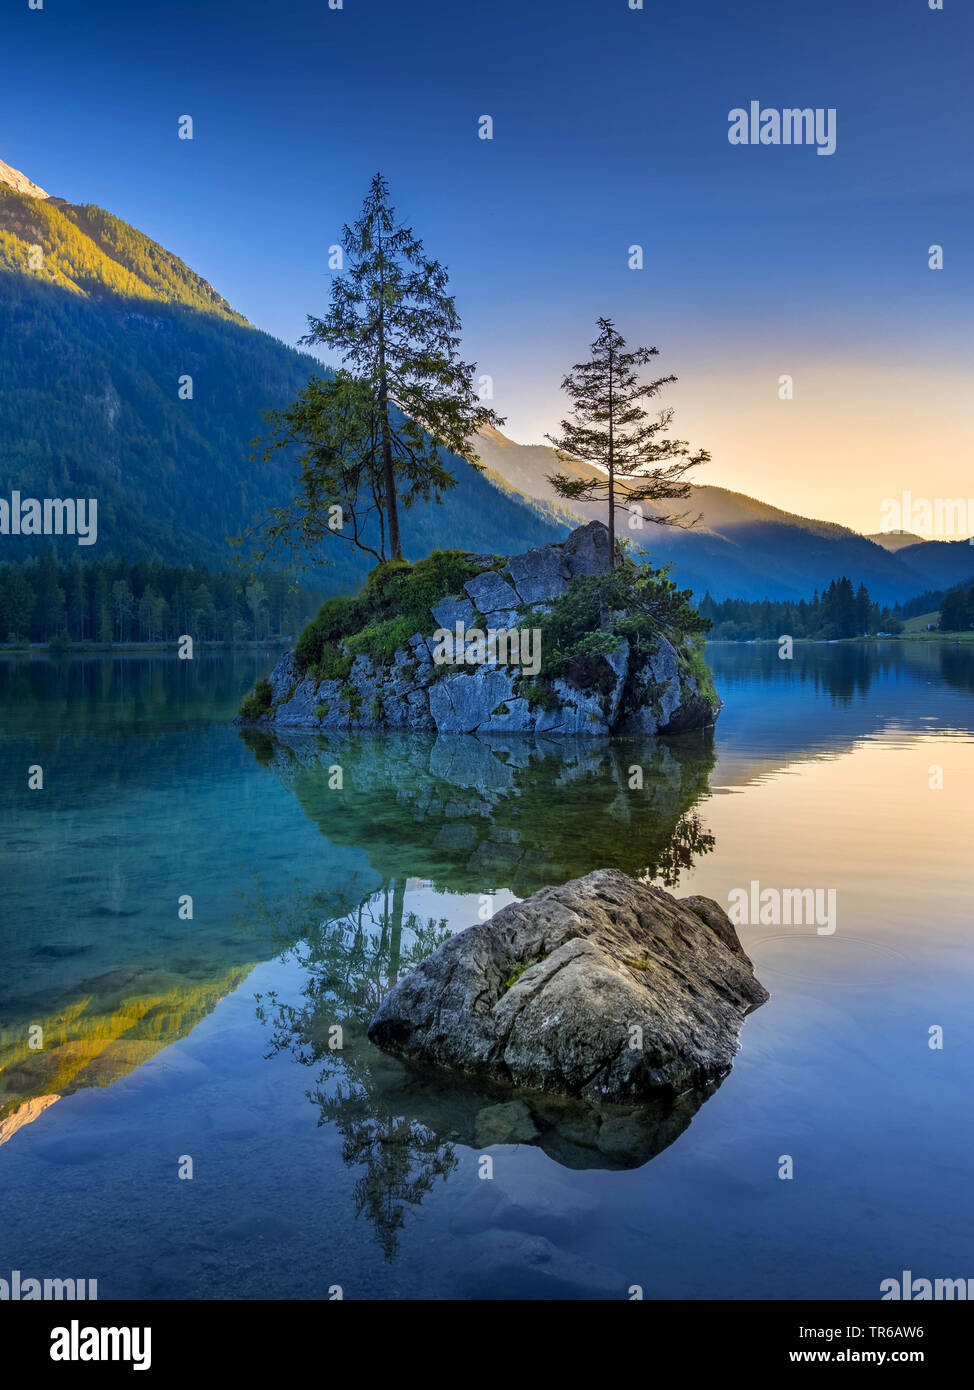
[
  {"x": 77, "y": 591},
  {"x": 102, "y": 610},
  {"x": 16, "y": 606},
  {"x": 123, "y": 606},
  {"x": 50, "y": 596},
  {"x": 256, "y": 595},
  {"x": 609, "y": 427},
  {"x": 334, "y": 425},
  {"x": 863, "y": 611},
  {"x": 957, "y": 610},
  {"x": 392, "y": 321}
]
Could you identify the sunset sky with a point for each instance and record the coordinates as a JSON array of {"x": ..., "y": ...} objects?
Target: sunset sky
[{"x": 610, "y": 129}]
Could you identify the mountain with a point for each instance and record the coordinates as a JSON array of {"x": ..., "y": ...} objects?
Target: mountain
[
  {"x": 14, "y": 179},
  {"x": 894, "y": 540},
  {"x": 943, "y": 564},
  {"x": 87, "y": 251},
  {"x": 98, "y": 325},
  {"x": 744, "y": 548}
]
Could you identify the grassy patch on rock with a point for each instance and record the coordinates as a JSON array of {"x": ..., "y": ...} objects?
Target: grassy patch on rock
[
  {"x": 694, "y": 664},
  {"x": 518, "y": 971},
  {"x": 393, "y": 606}
]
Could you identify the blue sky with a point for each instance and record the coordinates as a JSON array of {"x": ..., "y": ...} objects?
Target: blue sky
[{"x": 610, "y": 128}]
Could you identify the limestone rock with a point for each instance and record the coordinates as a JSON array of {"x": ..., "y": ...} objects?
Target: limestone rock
[
  {"x": 587, "y": 550},
  {"x": 603, "y": 988},
  {"x": 450, "y": 611},
  {"x": 619, "y": 694},
  {"x": 466, "y": 701},
  {"x": 490, "y": 592},
  {"x": 539, "y": 574}
]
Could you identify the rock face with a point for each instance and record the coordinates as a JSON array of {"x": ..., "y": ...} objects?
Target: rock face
[
  {"x": 13, "y": 178},
  {"x": 658, "y": 694},
  {"x": 604, "y": 988}
]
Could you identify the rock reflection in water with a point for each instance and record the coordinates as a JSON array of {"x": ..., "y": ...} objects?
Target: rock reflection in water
[
  {"x": 400, "y": 1124},
  {"x": 469, "y": 813},
  {"x": 576, "y": 1134},
  {"x": 469, "y": 816}
]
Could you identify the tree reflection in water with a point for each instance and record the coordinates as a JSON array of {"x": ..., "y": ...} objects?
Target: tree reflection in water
[
  {"x": 350, "y": 963},
  {"x": 463, "y": 816}
]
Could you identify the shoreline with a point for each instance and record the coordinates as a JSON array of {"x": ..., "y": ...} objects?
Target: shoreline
[
  {"x": 952, "y": 637},
  {"x": 133, "y": 648},
  {"x": 161, "y": 648}
]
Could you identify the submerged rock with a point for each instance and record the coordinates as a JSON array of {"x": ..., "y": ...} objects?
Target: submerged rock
[
  {"x": 603, "y": 988},
  {"x": 575, "y": 1133}
]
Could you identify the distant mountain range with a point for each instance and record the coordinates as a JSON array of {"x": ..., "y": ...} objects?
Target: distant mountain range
[
  {"x": 98, "y": 325},
  {"x": 895, "y": 540},
  {"x": 743, "y": 548}
]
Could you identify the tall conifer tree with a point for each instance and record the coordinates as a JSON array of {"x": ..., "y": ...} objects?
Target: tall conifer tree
[
  {"x": 398, "y": 333},
  {"x": 609, "y": 427}
]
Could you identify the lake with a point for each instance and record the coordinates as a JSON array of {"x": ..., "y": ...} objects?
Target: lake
[{"x": 195, "y": 916}]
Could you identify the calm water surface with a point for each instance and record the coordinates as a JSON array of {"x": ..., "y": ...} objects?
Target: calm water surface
[{"x": 212, "y": 1038}]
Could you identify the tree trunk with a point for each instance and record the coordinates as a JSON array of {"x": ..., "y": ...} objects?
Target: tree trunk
[
  {"x": 612, "y": 473},
  {"x": 388, "y": 473},
  {"x": 395, "y": 945}
]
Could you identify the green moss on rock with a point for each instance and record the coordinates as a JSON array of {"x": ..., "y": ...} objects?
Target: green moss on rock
[{"x": 392, "y": 606}]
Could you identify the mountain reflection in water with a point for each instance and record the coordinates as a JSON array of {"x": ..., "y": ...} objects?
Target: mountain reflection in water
[{"x": 152, "y": 1049}]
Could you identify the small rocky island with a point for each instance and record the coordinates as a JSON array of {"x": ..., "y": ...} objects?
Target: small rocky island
[
  {"x": 553, "y": 641},
  {"x": 604, "y": 988}
]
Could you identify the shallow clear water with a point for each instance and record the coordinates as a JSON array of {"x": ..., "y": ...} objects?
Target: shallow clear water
[{"x": 165, "y": 1039}]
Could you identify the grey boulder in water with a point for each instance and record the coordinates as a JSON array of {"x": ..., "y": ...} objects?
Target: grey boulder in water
[{"x": 604, "y": 988}]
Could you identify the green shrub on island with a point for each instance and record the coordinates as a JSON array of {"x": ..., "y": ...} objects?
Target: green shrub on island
[
  {"x": 259, "y": 701},
  {"x": 586, "y": 622},
  {"x": 353, "y": 698},
  {"x": 333, "y": 664},
  {"x": 539, "y": 696},
  {"x": 694, "y": 663},
  {"x": 393, "y": 606},
  {"x": 382, "y": 640}
]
